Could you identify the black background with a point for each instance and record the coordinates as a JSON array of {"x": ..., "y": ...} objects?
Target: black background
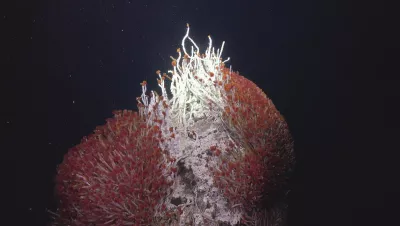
[{"x": 327, "y": 65}]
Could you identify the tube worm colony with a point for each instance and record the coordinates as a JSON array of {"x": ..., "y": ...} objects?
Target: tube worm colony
[{"x": 216, "y": 152}]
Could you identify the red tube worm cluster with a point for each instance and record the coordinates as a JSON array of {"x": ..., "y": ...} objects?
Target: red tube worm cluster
[{"x": 116, "y": 176}]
